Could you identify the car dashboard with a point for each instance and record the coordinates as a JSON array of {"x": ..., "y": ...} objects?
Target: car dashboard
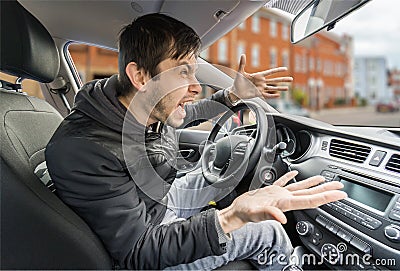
[{"x": 361, "y": 232}]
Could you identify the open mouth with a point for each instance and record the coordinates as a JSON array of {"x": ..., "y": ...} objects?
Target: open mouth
[
  {"x": 180, "y": 109},
  {"x": 182, "y": 104}
]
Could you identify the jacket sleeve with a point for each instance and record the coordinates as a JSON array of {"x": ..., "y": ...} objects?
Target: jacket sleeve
[
  {"x": 206, "y": 109},
  {"x": 91, "y": 180}
]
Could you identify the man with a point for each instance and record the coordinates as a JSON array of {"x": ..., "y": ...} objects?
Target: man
[{"x": 113, "y": 164}]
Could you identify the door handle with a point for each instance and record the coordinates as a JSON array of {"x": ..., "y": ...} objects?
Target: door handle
[{"x": 187, "y": 153}]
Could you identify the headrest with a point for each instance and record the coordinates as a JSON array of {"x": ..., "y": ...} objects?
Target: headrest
[{"x": 27, "y": 50}]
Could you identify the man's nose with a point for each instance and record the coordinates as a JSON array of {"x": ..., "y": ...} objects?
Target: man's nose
[{"x": 194, "y": 86}]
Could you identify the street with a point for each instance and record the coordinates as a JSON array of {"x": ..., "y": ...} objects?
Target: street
[{"x": 362, "y": 116}]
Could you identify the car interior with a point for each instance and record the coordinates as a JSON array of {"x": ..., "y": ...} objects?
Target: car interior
[{"x": 38, "y": 231}]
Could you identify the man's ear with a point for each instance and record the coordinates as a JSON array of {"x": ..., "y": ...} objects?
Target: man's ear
[{"x": 135, "y": 75}]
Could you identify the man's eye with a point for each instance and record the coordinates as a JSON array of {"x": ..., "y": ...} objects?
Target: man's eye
[{"x": 184, "y": 73}]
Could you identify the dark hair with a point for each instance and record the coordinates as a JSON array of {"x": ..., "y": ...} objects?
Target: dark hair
[{"x": 150, "y": 39}]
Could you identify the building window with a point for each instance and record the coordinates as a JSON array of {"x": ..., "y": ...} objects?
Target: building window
[
  {"x": 255, "y": 24},
  {"x": 242, "y": 26},
  {"x": 285, "y": 59},
  {"x": 204, "y": 54},
  {"x": 222, "y": 51},
  {"x": 297, "y": 64},
  {"x": 272, "y": 58},
  {"x": 241, "y": 49},
  {"x": 272, "y": 28},
  {"x": 319, "y": 65},
  {"x": 304, "y": 64},
  {"x": 338, "y": 69},
  {"x": 311, "y": 63},
  {"x": 285, "y": 32},
  {"x": 372, "y": 65},
  {"x": 255, "y": 56}
]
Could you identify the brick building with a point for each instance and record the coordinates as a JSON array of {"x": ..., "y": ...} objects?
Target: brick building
[{"x": 321, "y": 65}]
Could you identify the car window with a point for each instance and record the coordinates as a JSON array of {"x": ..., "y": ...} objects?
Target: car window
[
  {"x": 32, "y": 88},
  {"x": 92, "y": 62}
]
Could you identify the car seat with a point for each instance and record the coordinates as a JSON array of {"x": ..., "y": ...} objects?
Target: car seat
[{"x": 38, "y": 231}]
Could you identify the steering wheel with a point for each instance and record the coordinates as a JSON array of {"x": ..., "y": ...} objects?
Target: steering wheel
[{"x": 226, "y": 161}]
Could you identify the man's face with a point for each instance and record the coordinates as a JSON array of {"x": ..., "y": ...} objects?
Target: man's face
[{"x": 176, "y": 86}]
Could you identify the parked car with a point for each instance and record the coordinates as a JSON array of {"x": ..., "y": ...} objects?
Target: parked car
[
  {"x": 38, "y": 231},
  {"x": 387, "y": 105}
]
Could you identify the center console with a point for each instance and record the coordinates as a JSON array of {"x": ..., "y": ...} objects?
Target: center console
[{"x": 361, "y": 232}]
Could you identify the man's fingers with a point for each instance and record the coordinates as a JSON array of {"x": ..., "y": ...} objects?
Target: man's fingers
[
  {"x": 276, "y": 88},
  {"x": 313, "y": 201},
  {"x": 271, "y": 71},
  {"x": 242, "y": 63},
  {"x": 286, "y": 79},
  {"x": 307, "y": 183},
  {"x": 282, "y": 181},
  {"x": 319, "y": 189}
]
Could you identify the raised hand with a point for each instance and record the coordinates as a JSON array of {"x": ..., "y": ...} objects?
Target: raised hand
[
  {"x": 271, "y": 202},
  {"x": 259, "y": 84}
]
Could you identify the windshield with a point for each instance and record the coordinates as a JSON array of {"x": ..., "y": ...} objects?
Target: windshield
[{"x": 340, "y": 77}]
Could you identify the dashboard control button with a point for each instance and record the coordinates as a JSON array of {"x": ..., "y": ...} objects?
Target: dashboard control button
[
  {"x": 355, "y": 218},
  {"x": 304, "y": 228},
  {"x": 321, "y": 220},
  {"x": 324, "y": 146},
  {"x": 396, "y": 207},
  {"x": 344, "y": 235},
  {"x": 314, "y": 240},
  {"x": 329, "y": 175},
  {"x": 368, "y": 218},
  {"x": 348, "y": 208},
  {"x": 332, "y": 167},
  {"x": 339, "y": 210},
  {"x": 395, "y": 215},
  {"x": 360, "y": 245},
  {"x": 268, "y": 176},
  {"x": 375, "y": 223},
  {"x": 392, "y": 232},
  {"x": 377, "y": 158},
  {"x": 332, "y": 228},
  {"x": 317, "y": 234},
  {"x": 368, "y": 225}
]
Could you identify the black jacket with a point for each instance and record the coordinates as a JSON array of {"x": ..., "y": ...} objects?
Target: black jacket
[{"x": 119, "y": 190}]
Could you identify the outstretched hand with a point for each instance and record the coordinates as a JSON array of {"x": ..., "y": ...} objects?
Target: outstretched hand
[
  {"x": 259, "y": 84},
  {"x": 271, "y": 202}
]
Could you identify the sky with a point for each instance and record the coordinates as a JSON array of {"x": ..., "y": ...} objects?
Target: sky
[{"x": 376, "y": 30}]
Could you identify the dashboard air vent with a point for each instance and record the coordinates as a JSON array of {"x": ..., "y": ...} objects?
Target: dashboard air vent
[
  {"x": 349, "y": 151},
  {"x": 394, "y": 163},
  {"x": 247, "y": 132}
]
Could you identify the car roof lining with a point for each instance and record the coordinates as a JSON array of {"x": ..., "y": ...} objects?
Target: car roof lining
[{"x": 99, "y": 22}]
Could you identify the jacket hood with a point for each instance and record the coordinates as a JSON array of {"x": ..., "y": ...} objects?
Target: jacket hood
[{"x": 98, "y": 100}]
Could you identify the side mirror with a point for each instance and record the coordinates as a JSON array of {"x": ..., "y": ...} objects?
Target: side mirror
[{"x": 319, "y": 14}]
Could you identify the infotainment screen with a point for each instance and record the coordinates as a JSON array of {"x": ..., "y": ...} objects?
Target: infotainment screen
[{"x": 369, "y": 196}]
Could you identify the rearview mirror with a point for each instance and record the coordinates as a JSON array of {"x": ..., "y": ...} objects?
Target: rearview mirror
[{"x": 319, "y": 14}]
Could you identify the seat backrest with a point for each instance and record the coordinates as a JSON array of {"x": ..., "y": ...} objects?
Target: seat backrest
[{"x": 38, "y": 231}]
